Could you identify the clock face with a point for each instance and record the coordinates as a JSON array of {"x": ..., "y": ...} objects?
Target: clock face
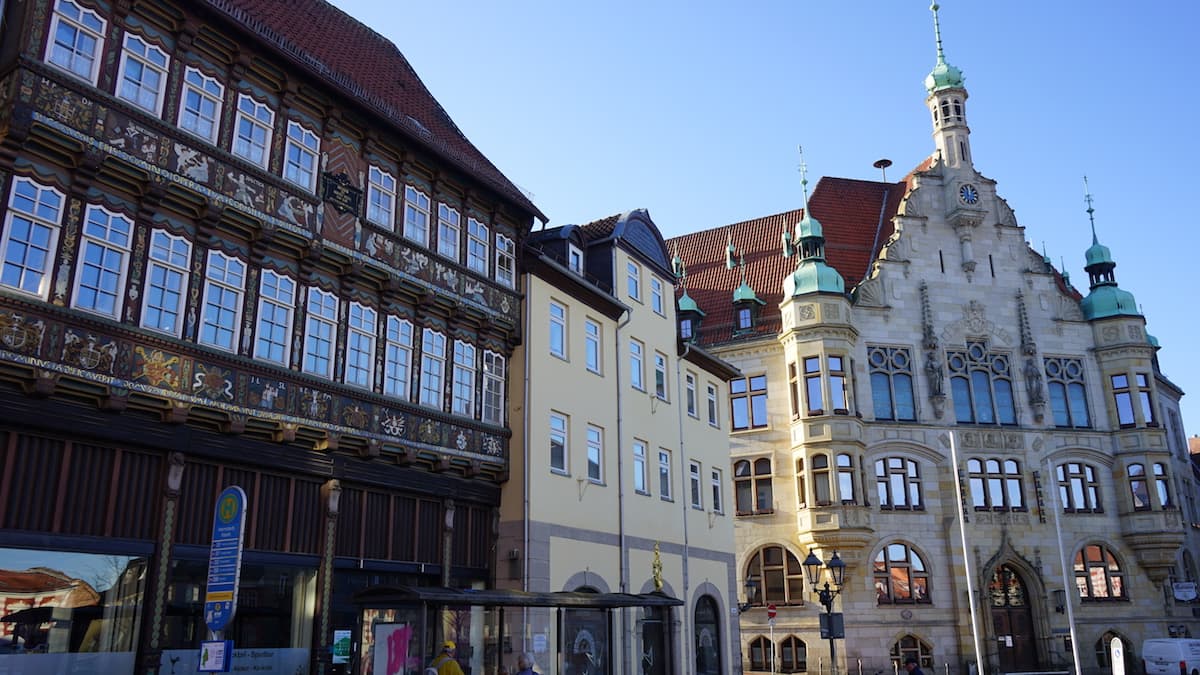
[{"x": 967, "y": 194}]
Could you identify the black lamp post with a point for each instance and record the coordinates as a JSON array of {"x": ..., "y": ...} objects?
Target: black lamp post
[
  {"x": 751, "y": 593},
  {"x": 837, "y": 573}
]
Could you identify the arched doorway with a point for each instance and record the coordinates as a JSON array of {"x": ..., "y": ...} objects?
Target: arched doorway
[
  {"x": 708, "y": 637},
  {"x": 1012, "y": 621}
]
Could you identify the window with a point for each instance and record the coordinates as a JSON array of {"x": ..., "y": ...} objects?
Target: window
[
  {"x": 397, "y": 358},
  {"x": 812, "y": 385},
  {"x": 900, "y": 576},
  {"x": 762, "y": 653},
  {"x": 845, "y": 473},
  {"x": 744, "y": 318},
  {"x": 814, "y": 388},
  {"x": 1098, "y": 574},
  {"x": 748, "y": 402},
  {"x": 821, "y": 490},
  {"x": 664, "y": 474},
  {"x": 224, "y": 284},
  {"x": 558, "y": 330},
  {"x": 416, "y": 215},
  {"x": 685, "y": 329},
  {"x": 633, "y": 281},
  {"x": 360, "y": 346},
  {"x": 320, "y": 332},
  {"x": 493, "y": 387},
  {"x": 636, "y": 355},
  {"x": 640, "y": 478},
  {"x": 276, "y": 301},
  {"x": 477, "y": 246},
  {"x": 898, "y": 483},
  {"x": 995, "y": 485},
  {"x": 1068, "y": 396},
  {"x": 200, "y": 104},
  {"x": 103, "y": 256},
  {"x": 1124, "y": 396},
  {"x": 449, "y": 230},
  {"x": 575, "y": 259},
  {"x": 1160, "y": 485},
  {"x": 793, "y": 390},
  {"x": 689, "y": 381},
  {"x": 252, "y": 130},
  {"x": 381, "y": 197},
  {"x": 433, "y": 368},
  {"x": 591, "y": 344},
  {"x": 911, "y": 647},
  {"x": 143, "y": 74},
  {"x": 982, "y": 386},
  {"x": 660, "y": 375},
  {"x": 892, "y": 384},
  {"x": 695, "y": 491},
  {"x": 781, "y": 577},
  {"x": 718, "y": 489},
  {"x": 78, "y": 34},
  {"x": 793, "y": 655},
  {"x": 463, "y": 399},
  {"x": 801, "y": 492},
  {"x": 506, "y": 261},
  {"x": 30, "y": 237},
  {"x": 1138, "y": 489},
  {"x": 656, "y": 295},
  {"x": 752, "y": 487},
  {"x": 837, "y": 385},
  {"x": 595, "y": 453},
  {"x": 713, "y": 417},
  {"x": 1078, "y": 489},
  {"x": 558, "y": 443},
  {"x": 166, "y": 282},
  {"x": 300, "y": 156}
]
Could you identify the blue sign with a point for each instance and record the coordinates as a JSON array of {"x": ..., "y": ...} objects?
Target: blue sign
[{"x": 225, "y": 558}]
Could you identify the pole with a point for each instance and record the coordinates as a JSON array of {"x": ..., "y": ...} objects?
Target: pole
[
  {"x": 772, "y": 622},
  {"x": 962, "y": 531},
  {"x": 1052, "y": 478},
  {"x": 832, "y": 645}
]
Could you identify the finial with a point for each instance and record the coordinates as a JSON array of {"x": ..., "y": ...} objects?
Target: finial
[
  {"x": 1087, "y": 197},
  {"x": 803, "y": 177},
  {"x": 937, "y": 32},
  {"x": 742, "y": 264},
  {"x": 677, "y": 262},
  {"x": 729, "y": 250}
]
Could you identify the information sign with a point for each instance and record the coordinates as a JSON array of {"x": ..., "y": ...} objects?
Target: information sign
[{"x": 225, "y": 558}]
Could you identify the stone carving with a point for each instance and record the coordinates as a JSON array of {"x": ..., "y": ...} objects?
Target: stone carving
[
  {"x": 870, "y": 293},
  {"x": 89, "y": 353},
  {"x": 20, "y": 334},
  {"x": 807, "y": 312},
  {"x": 192, "y": 163}
]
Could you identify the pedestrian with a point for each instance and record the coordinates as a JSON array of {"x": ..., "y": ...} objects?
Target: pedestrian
[
  {"x": 912, "y": 666},
  {"x": 525, "y": 664},
  {"x": 445, "y": 664}
]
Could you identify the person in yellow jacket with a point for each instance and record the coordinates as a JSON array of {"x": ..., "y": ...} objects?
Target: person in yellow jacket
[{"x": 445, "y": 664}]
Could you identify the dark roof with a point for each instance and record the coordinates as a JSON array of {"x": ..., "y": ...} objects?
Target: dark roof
[
  {"x": 856, "y": 218},
  {"x": 641, "y": 236},
  {"x": 352, "y": 58},
  {"x": 377, "y": 596}
]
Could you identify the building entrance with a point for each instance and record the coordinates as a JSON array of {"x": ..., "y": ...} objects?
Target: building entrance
[{"x": 1012, "y": 621}]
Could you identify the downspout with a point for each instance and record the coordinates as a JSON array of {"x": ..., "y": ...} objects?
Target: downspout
[
  {"x": 622, "y": 552},
  {"x": 525, "y": 478},
  {"x": 686, "y": 507}
]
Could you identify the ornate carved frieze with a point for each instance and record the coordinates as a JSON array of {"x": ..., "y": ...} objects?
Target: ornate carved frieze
[{"x": 974, "y": 322}]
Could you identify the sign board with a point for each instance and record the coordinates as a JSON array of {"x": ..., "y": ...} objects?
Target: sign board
[
  {"x": 216, "y": 656},
  {"x": 1185, "y": 591},
  {"x": 341, "y": 645},
  {"x": 832, "y": 627},
  {"x": 225, "y": 558},
  {"x": 771, "y": 612},
  {"x": 1117, "y": 652}
]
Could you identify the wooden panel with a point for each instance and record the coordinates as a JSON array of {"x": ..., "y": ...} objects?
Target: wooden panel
[
  {"x": 375, "y": 535},
  {"x": 350, "y": 520},
  {"x": 307, "y": 517},
  {"x": 429, "y": 531},
  {"x": 33, "y": 484},
  {"x": 197, "y": 497},
  {"x": 137, "y": 501},
  {"x": 271, "y": 514},
  {"x": 404, "y": 528},
  {"x": 88, "y": 482},
  {"x": 481, "y": 541}
]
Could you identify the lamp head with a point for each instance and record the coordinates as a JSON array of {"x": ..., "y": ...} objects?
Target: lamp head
[
  {"x": 812, "y": 568},
  {"x": 837, "y": 569}
]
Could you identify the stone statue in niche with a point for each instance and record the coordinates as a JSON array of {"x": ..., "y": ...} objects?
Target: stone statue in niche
[{"x": 935, "y": 374}]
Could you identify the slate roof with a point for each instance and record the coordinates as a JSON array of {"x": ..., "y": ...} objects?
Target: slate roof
[
  {"x": 350, "y": 57},
  {"x": 856, "y": 216}
]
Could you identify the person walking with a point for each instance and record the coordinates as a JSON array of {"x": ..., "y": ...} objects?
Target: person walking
[
  {"x": 525, "y": 664},
  {"x": 445, "y": 663},
  {"x": 912, "y": 666}
]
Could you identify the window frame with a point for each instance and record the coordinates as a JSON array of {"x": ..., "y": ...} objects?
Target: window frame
[
  {"x": 362, "y": 327},
  {"x": 972, "y": 368},
  {"x": 431, "y": 392},
  {"x": 637, "y": 356},
  {"x": 592, "y": 343},
  {"x": 276, "y": 295},
  {"x": 664, "y": 475},
  {"x": 717, "y": 489},
  {"x": 1078, "y": 488},
  {"x": 656, "y": 296},
  {"x": 97, "y": 274},
  {"x": 690, "y": 400},
  {"x": 418, "y": 209},
  {"x": 754, "y": 479},
  {"x": 231, "y": 287},
  {"x": 896, "y": 562},
  {"x": 557, "y": 326},
  {"x": 780, "y": 574},
  {"x": 595, "y": 454},
  {"x": 495, "y": 371},
  {"x": 641, "y": 467},
  {"x": 200, "y": 89},
  {"x": 145, "y": 64},
  {"x": 398, "y": 355},
  {"x": 633, "y": 280},
  {"x": 79, "y": 27},
  {"x": 381, "y": 198},
  {"x": 506, "y": 261},
  {"x": 695, "y": 485},
  {"x": 1067, "y": 392},
  {"x": 301, "y": 154},
  {"x": 888, "y": 367},
  {"x": 449, "y": 229},
  {"x": 1100, "y": 578},
  {"x": 321, "y": 309},
  {"x": 174, "y": 265},
  {"x": 259, "y": 117},
  {"x": 44, "y": 200},
  {"x": 559, "y": 429},
  {"x": 714, "y": 406},
  {"x": 661, "y": 368},
  {"x": 898, "y": 475},
  {"x": 466, "y": 363},
  {"x": 478, "y": 245},
  {"x": 989, "y": 478},
  {"x": 747, "y": 397}
]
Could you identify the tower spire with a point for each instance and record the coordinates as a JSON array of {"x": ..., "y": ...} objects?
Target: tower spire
[
  {"x": 1087, "y": 197},
  {"x": 1105, "y": 298},
  {"x": 937, "y": 33}
]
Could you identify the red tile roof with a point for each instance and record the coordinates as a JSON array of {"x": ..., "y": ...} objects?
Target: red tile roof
[
  {"x": 352, "y": 58},
  {"x": 856, "y": 218}
]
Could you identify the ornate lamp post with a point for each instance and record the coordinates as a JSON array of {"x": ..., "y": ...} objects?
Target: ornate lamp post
[{"x": 831, "y": 626}]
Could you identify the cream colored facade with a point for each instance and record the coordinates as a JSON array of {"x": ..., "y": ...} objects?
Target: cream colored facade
[{"x": 604, "y": 489}]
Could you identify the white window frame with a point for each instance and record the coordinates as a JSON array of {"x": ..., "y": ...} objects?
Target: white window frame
[
  {"x": 656, "y": 296},
  {"x": 506, "y": 261},
  {"x": 200, "y": 104},
  {"x": 592, "y": 342},
  {"x": 300, "y": 153},
  {"x": 557, "y": 313},
  {"x": 664, "y": 474},
  {"x": 633, "y": 280},
  {"x": 714, "y": 406},
  {"x": 31, "y": 225},
  {"x": 717, "y": 483},
  {"x": 381, "y": 198},
  {"x": 142, "y": 78},
  {"x": 494, "y": 372},
  {"x": 462, "y": 398},
  {"x": 478, "y": 237},
  {"x": 695, "y": 485},
  {"x": 433, "y": 369},
  {"x": 449, "y": 231},
  {"x": 641, "y": 478},
  {"x": 637, "y": 373},
  {"x": 416, "y": 215},
  {"x": 224, "y": 289},
  {"x": 167, "y": 277},
  {"x": 320, "y": 332},
  {"x": 559, "y": 430},
  {"x": 362, "y": 325},
  {"x": 253, "y": 126},
  {"x": 82, "y": 22},
  {"x": 397, "y": 358},
  {"x": 103, "y": 264},
  {"x": 693, "y": 409},
  {"x": 276, "y": 315},
  {"x": 595, "y": 454},
  {"x": 661, "y": 389},
  {"x": 575, "y": 259}
]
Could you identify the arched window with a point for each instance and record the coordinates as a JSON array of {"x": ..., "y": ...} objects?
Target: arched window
[
  {"x": 1098, "y": 575},
  {"x": 793, "y": 655},
  {"x": 945, "y": 109},
  {"x": 981, "y": 384},
  {"x": 1104, "y": 651},
  {"x": 761, "y": 654},
  {"x": 911, "y": 646},
  {"x": 707, "y": 641},
  {"x": 958, "y": 109},
  {"x": 900, "y": 576},
  {"x": 752, "y": 486},
  {"x": 1006, "y": 588},
  {"x": 1137, "y": 487},
  {"x": 781, "y": 577}
]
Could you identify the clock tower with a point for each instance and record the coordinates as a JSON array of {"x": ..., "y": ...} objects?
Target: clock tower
[{"x": 947, "y": 101}]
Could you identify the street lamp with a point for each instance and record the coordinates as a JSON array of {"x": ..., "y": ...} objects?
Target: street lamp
[
  {"x": 832, "y": 628},
  {"x": 751, "y": 593}
]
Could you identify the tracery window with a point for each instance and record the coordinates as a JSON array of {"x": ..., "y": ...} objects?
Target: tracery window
[
  {"x": 1068, "y": 394},
  {"x": 892, "y": 384},
  {"x": 981, "y": 383}
]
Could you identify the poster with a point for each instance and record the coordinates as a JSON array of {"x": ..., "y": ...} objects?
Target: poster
[{"x": 391, "y": 648}]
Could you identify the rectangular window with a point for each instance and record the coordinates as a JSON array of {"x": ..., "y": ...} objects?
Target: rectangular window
[
  {"x": 252, "y": 130},
  {"x": 30, "y": 237},
  {"x": 493, "y": 387},
  {"x": 477, "y": 246},
  {"x": 1123, "y": 399},
  {"x": 660, "y": 375},
  {"x": 166, "y": 282},
  {"x": 995, "y": 485},
  {"x": 78, "y": 34},
  {"x": 103, "y": 257},
  {"x": 449, "y": 230},
  {"x": 718, "y": 488},
  {"x": 276, "y": 302},
  {"x": 381, "y": 198},
  {"x": 506, "y": 261},
  {"x": 837, "y": 385},
  {"x": 892, "y": 383},
  {"x": 1143, "y": 385},
  {"x": 575, "y": 259},
  {"x": 656, "y": 295},
  {"x": 812, "y": 386},
  {"x": 200, "y": 105},
  {"x": 300, "y": 156},
  {"x": 433, "y": 368},
  {"x": 558, "y": 330},
  {"x": 636, "y": 357},
  {"x": 558, "y": 443},
  {"x": 633, "y": 281},
  {"x": 664, "y": 474},
  {"x": 143, "y": 74},
  {"x": 595, "y": 453},
  {"x": 362, "y": 328},
  {"x": 794, "y": 390},
  {"x": 1078, "y": 489},
  {"x": 416, "y": 215},
  {"x": 640, "y": 479},
  {"x": 695, "y": 491},
  {"x": 690, "y": 384},
  {"x": 224, "y": 285},
  {"x": 463, "y": 388},
  {"x": 591, "y": 344},
  {"x": 748, "y": 402},
  {"x": 397, "y": 358},
  {"x": 714, "y": 419},
  {"x": 898, "y": 483},
  {"x": 320, "y": 332}
]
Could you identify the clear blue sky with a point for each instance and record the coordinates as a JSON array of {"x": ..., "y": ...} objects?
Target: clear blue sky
[{"x": 693, "y": 110}]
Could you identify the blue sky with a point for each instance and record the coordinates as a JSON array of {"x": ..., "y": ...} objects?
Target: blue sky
[{"x": 693, "y": 110}]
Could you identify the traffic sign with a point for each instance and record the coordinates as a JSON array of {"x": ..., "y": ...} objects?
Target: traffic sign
[
  {"x": 225, "y": 558},
  {"x": 771, "y": 611}
]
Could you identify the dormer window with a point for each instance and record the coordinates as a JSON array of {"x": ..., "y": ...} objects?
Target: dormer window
[
  {"x": 685, "y": 329},
  {"x": 574, "y": 259},
  {"x": 744, "y": 318}
]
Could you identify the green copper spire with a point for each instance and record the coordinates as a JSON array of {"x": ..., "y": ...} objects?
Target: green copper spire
[
  {"x": 812, "y": 274},
  {"x": 944, "y": 75},
  {"x": 1097, "y": 253},
  {"x": 1105, "y": 299},
  {"x": 808, "y": 226}
]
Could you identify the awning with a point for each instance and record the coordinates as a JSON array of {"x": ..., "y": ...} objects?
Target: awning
[{"x": 386, "y": 596}]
